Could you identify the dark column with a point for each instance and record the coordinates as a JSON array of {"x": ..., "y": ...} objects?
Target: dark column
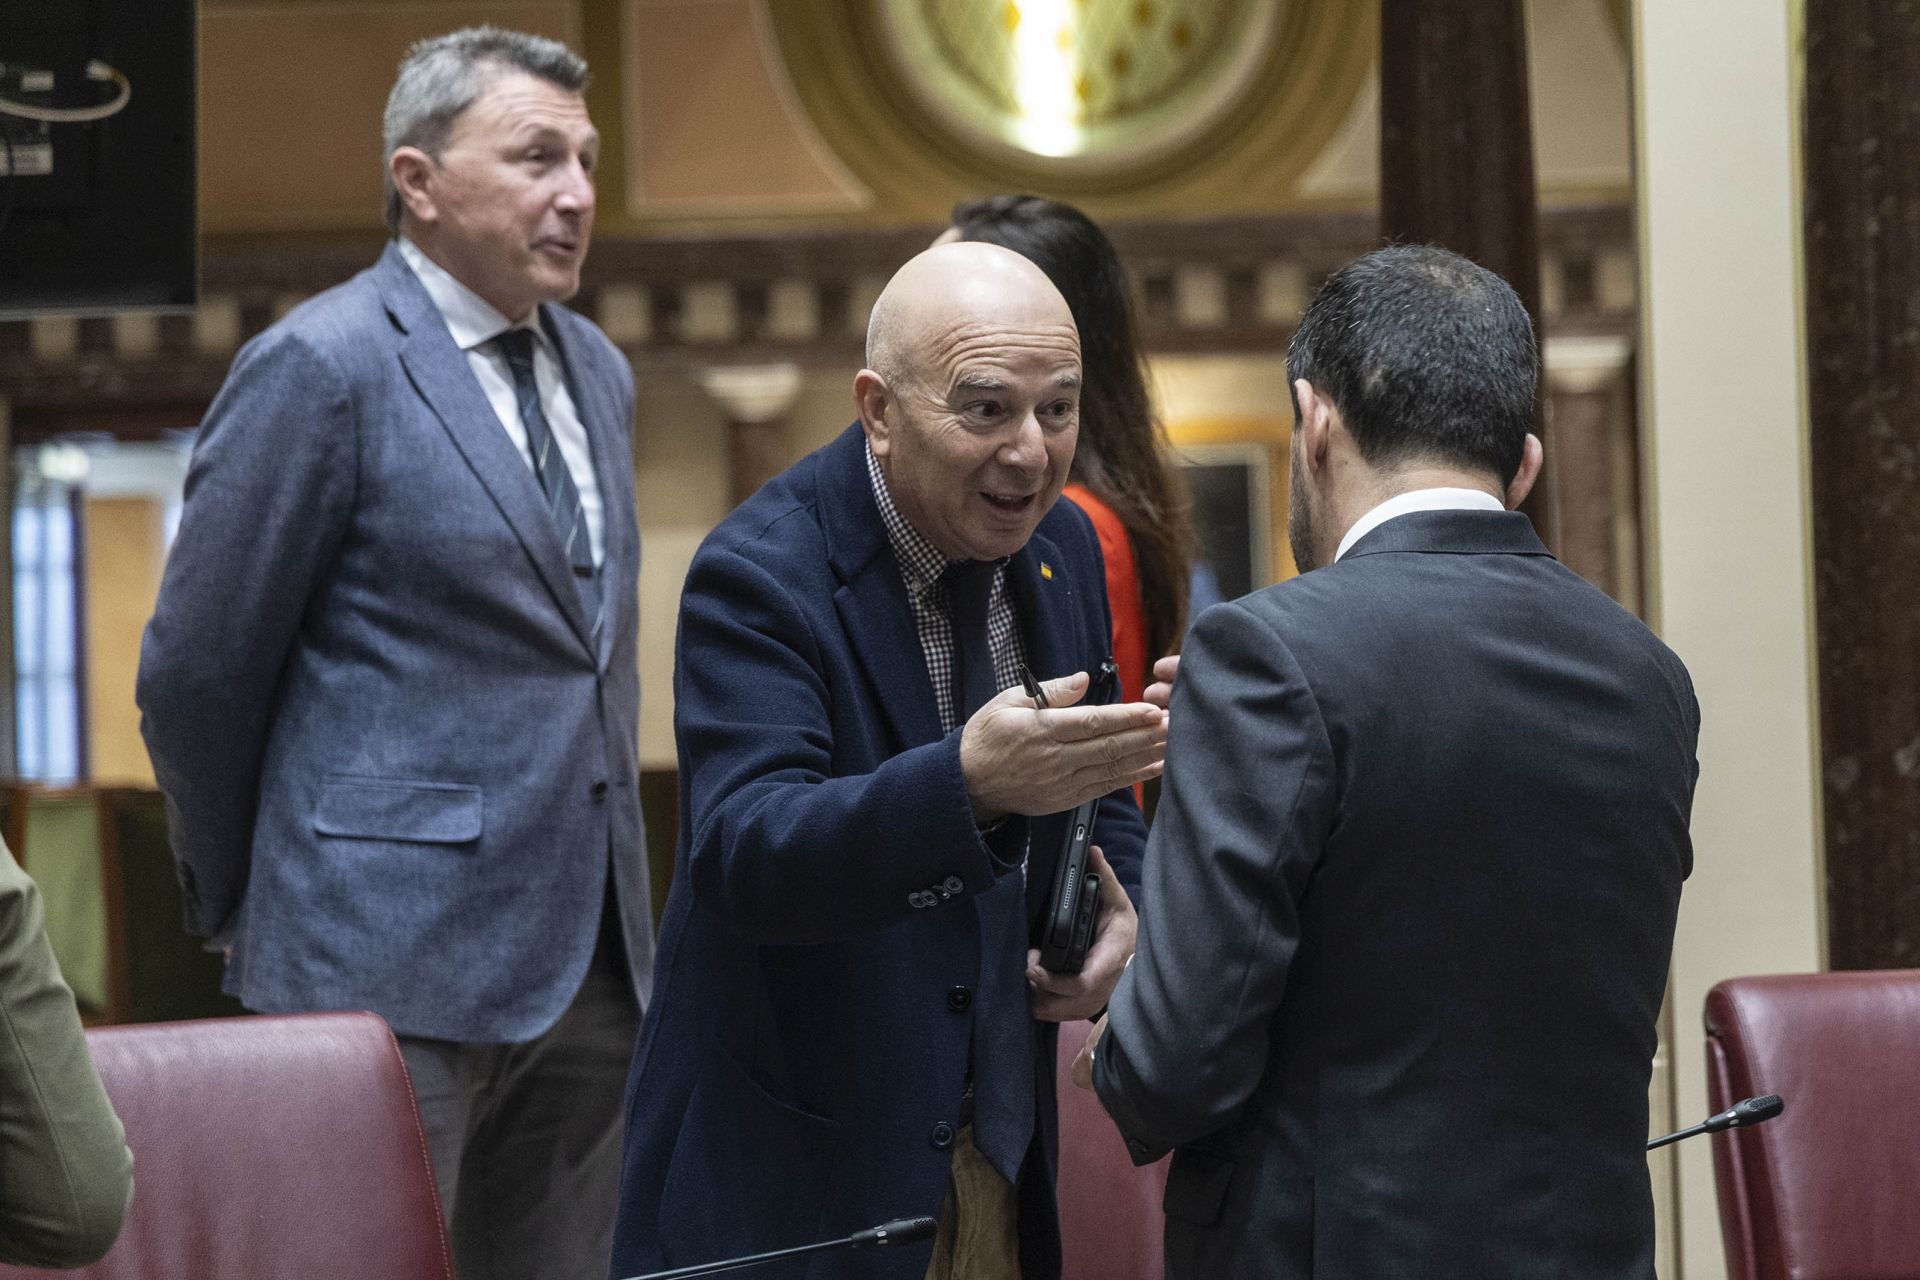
[
  {"x": 1863, "y": 340},
  {"x": 755, "y": 399},
  {"x": 1456, "y": 147},
  {"x": 1587, "y": 392}
]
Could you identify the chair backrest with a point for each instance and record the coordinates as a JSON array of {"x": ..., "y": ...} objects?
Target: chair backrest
[
  {"x": 1831, "y": 1188},
  {"x": 1111, "y": 1225},
  {"x": 284, "y": 1147}
]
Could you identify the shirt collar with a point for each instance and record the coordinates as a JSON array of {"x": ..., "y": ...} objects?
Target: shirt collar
[
  {"x": 920, "y": 561},
  {"x": 1403, "y": 504},
  {"x": 470, "y": 318}
]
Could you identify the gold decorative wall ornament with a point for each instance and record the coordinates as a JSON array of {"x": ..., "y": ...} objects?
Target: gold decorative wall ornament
[{"x": 1153, "y": 103}]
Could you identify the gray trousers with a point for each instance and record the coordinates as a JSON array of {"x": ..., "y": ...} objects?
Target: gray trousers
[{"x": 526, "y": 1137}]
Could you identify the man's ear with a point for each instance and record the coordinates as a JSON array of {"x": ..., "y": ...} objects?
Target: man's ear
[
  {"x": 1532, "y": 453},
  {"x": 871, "y": 400},
  {"x": 1315, "y": 426},
  {"x": 412, "y": 173}
]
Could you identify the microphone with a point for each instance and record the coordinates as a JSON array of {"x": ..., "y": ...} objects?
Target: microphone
[
  {"x": 1749, "y": 1111},
  {"x": 897, "y": 1232}
]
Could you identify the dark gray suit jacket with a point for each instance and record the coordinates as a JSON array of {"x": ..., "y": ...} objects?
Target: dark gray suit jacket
[
  {"x": 1413, "y": 882},
  {"x": 395, "y": 755}
]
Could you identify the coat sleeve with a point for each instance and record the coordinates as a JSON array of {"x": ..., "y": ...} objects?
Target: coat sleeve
[
  {"x": 68, "y": 1173},
  {"x": 268, "y": 499},
  {"x": 778, "y": 846},
  {"x": 1244, "y": 815}
]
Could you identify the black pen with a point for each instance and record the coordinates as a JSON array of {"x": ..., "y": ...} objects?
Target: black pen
[{"x": 1034, "y": 690}]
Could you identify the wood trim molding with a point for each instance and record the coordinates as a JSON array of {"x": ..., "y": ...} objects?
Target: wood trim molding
[{"x": 690, "y": 302}]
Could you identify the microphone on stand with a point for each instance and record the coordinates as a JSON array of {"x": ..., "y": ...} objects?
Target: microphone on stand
[
  {"x": 899, "y": 1231},
  {"x": 1750, "y": 1111}
]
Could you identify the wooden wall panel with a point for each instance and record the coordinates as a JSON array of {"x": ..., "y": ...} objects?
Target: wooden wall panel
[
  {"x": 711, "y": 127},
  {"x": 125, "y": 554},
  {"x": 291, "y": 97}
]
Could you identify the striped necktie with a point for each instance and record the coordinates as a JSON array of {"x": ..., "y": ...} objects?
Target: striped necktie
[{"x": 550, "y": 469}]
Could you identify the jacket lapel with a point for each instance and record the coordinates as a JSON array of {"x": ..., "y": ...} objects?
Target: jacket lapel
[
  {"x": 872, "y": 597},
  {"x": 439, "y": 372},
  {"x": 1043, "y": 596},
  {"x": 1043, "y": 599}
]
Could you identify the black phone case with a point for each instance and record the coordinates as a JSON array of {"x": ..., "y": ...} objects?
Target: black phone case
[
  {"x": 1073, "y": 901},
  {"x": 1068, "y": 925}
]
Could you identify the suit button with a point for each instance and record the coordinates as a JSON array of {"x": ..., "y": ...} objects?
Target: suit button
[
  {"x": 920, "y": 898},
  {"x": 942, "y": 1136},
  {"x": 599, "y": 790},
  {"x": 959, "y": 999},
  {"x": 952, "y": 884}
]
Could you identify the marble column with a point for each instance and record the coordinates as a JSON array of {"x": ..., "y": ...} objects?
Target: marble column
[
  {"x": 1862, "y": 157},
  {"x": 1723, "y": 446},
  {"x": 1456, "y": 147},
  {"x": 756, "y": 399}
]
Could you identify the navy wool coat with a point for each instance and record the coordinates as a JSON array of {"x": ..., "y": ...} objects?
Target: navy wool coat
[{"x": 808, "y": 1043}]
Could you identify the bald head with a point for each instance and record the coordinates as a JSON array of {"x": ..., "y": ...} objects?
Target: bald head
[
  {"x": 954, "y": 286},
  {"x": 971, "y": 396}
]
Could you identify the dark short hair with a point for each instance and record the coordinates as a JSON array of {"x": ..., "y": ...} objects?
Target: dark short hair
[
  {"x": 442, "y": 75},
  {"x": 1428, "y": 356}
]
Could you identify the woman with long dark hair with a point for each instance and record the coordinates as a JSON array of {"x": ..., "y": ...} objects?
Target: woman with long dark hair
[{"x": 1122, "y": 477}]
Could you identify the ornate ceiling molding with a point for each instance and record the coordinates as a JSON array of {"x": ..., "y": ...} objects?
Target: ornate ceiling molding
[{"x": 841, "y": 57}]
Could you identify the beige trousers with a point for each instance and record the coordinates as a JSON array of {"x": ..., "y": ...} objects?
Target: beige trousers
[{"x": 979, "y": 1234}]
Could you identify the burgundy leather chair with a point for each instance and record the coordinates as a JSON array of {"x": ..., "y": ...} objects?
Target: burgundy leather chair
[
  {"x": 1111, "y": 1226},
  {"x": 1830, "y": 1189},
  {"x": 282, "y": 1147}
]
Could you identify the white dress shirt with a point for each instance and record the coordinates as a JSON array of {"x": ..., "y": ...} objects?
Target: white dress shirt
[
  {"x": 1405, "y": 504},
  {"x": 474, "y": 324}
]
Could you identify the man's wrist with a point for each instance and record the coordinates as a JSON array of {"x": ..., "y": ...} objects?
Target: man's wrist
[{"x": 985, "y": 818}]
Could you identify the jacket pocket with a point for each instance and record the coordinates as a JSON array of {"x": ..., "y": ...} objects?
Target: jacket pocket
[
  {"x": 749, "y": 1172},
  {"x": 398, "y": 809}
]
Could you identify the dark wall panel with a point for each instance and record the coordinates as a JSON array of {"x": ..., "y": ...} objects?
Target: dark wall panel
[{"x": 1863, "y": 334}]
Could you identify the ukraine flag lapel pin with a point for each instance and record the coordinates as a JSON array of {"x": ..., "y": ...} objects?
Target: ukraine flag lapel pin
[{"x": 1046, "y": 571}]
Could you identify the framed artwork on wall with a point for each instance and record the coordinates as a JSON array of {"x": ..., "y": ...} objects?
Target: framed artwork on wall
[
  {"x": 1236, "y": 471},
  {"x": 1232, "y": 488}
]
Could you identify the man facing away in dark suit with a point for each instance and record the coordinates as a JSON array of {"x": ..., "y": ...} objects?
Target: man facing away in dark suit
[
  {"x": 1416, "y": 863},
  {"x": 391, "y": 690},
  {"x": 848, "y": 1025}
]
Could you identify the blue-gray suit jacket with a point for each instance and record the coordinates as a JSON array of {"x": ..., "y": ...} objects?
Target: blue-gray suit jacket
[{"x": 398, "y": 763}]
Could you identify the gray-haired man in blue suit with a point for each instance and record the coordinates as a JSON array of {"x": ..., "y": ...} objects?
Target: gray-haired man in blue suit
[{"x": 390, "y": 689}]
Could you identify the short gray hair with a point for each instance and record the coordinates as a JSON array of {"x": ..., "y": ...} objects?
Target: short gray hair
[{"x": 442, "y": 75}]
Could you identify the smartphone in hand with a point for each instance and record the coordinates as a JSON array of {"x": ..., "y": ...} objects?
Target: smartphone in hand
[{"x": 1073, "y": 901}]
